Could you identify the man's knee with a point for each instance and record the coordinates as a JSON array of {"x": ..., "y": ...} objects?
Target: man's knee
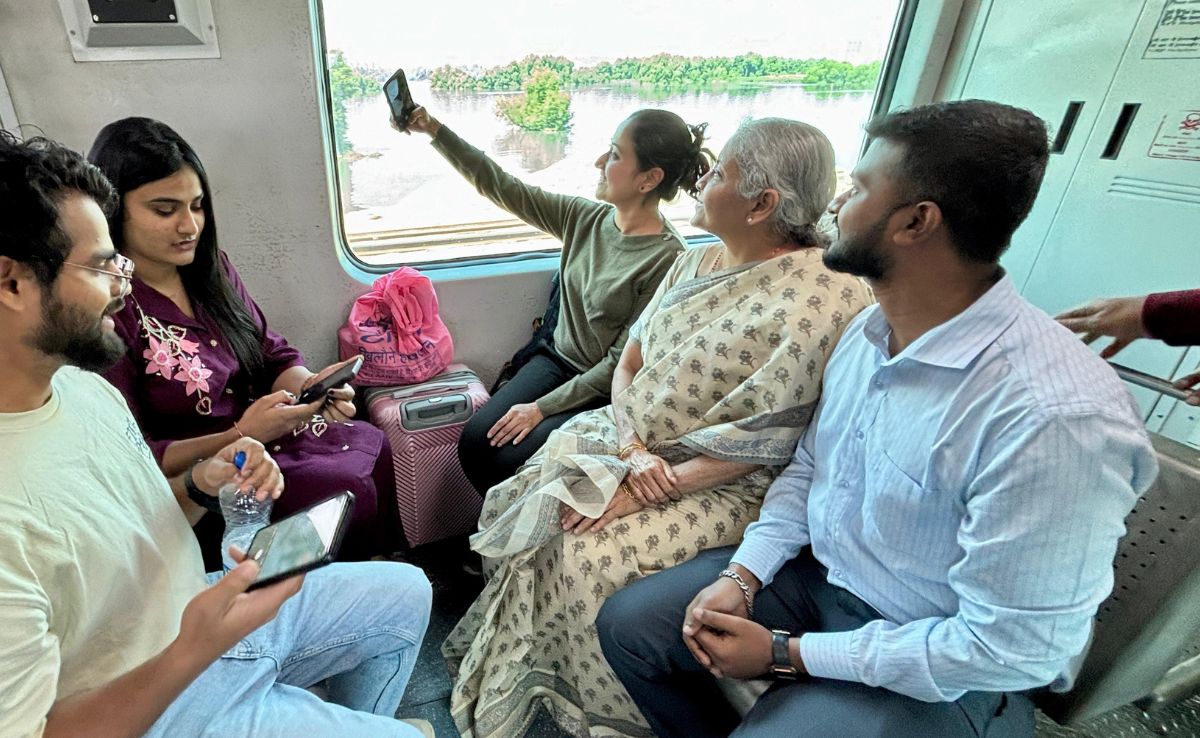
[
  {"x": 399, "y": 593},
  {"x": 609, "y": 621},
  {"x": 612, "y": 623},
  {"x": 638, "y": 622},
  {"x": 408, "y": 586}
]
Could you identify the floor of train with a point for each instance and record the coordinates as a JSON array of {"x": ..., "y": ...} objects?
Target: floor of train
[{"x": 428, "y": 693}]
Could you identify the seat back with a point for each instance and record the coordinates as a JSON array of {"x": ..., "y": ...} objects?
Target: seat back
[{"x": 1151, "y": 621}]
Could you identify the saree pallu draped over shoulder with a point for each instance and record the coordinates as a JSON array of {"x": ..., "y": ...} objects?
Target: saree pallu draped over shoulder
[{"x": 732, "y": 366}]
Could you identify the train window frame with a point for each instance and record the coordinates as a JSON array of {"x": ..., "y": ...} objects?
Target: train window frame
[{"x": 541, "y": 250}]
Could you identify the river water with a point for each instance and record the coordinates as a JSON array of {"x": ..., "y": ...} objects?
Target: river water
[{"x": 403, "y": 182}]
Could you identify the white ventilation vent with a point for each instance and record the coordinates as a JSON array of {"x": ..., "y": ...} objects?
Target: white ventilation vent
[{"x": 127, "y": 30}]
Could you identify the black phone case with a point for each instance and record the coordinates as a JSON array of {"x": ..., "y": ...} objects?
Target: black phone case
[
  {"x": 340, "y": 378},
  {"x": 334, "y": 547},
  {"x": 402, "y": 104}
]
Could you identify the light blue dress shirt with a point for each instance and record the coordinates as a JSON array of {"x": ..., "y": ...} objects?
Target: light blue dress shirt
[{"x": 971, "y": 489}]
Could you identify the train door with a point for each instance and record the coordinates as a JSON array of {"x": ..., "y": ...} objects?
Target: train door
[{"x": 1120, "y": 208}]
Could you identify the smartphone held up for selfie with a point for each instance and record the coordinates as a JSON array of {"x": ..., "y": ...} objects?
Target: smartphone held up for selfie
[
  {"x": 399, "y": 98},
  {"x": 340, "y": 377},
  {"x": 301, "y": 542}
]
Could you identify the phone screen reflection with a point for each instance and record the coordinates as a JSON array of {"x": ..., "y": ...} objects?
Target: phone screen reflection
[{"x": 297, "y": 541}]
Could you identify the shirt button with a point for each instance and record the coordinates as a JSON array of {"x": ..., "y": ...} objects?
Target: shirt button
[
  {"x": 879, "y": 383},
  {"x": 228, "y": 391},
  {"x": 859, "y": 435},
  {"x": 843, "y": 484},
  {"x": 275, "y": 449},
  {"x": 837, "y": 573},
  {"x": 212, "y": 342}
]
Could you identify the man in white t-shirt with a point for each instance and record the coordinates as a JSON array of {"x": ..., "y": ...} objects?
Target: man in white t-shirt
[{"x": 109, "y": 625}]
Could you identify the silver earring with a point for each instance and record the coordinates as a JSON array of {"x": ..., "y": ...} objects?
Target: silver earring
[{"x": 749, "y": 221}]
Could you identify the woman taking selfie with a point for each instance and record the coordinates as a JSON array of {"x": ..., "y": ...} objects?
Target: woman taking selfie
[
  {"x": 615, "y": 252},
  {"x": 203, "y": 369},
  {"x": 719, "y": 378}
]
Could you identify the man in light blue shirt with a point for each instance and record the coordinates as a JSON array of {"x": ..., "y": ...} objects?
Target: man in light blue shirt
[{"x": 946, "y": 529}]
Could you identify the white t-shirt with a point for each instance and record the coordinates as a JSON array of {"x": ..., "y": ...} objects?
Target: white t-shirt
[{"x": 96, "y": 559}]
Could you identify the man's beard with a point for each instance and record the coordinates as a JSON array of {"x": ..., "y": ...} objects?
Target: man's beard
[
  {"x": 860, "y": 255},
  {"x": 71, "y": 333}
]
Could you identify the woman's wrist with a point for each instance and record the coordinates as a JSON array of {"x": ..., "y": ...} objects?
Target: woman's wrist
[
  {"x": 241, "y": 428},
  {"x": 629, "y": 449}
]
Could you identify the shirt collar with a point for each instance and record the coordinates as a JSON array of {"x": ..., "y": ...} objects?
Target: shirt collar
[{"x": 955, "y": 343}]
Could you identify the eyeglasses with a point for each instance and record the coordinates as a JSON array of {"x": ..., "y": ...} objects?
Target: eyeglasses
[{"x": 121, "y": 263}]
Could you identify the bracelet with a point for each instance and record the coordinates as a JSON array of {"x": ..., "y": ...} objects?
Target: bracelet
[
  {"x": 626, "y": 450},
  {"x": 239, "y": 430},
  {"x": 630, "y": 495},
  {"x": 197, "y": 495},
  {"x": 741, "y": 583}
]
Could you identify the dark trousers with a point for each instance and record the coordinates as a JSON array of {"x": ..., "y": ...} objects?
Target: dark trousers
[
  {"x": 640, "y": 632},
  {"x": 486, "y": 466}
]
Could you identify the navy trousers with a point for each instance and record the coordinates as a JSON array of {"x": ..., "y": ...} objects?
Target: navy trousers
[{"x": 640, "y": 633}]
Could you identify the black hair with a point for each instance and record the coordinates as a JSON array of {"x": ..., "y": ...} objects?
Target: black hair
[
  {"x": 982, "y": 162},
  {"x": 661, "y": 139},
  {"x": 136, "y": 151},
  {"x": 35, "y": 176}
]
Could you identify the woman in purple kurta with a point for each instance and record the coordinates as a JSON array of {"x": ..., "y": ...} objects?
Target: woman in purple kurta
[{"x": 202, "y": 366}]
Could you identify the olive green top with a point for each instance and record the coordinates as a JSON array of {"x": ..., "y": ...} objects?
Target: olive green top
[{"x": 606, "y": 276}]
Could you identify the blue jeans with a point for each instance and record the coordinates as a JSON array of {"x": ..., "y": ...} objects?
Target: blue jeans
[{"x": 358, "y": 626}]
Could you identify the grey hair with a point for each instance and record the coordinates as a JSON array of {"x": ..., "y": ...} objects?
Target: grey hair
[{"x": 796, "y": 160}]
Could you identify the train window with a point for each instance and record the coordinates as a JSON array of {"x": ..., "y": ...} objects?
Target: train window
[{"x": 540, "y": 87}]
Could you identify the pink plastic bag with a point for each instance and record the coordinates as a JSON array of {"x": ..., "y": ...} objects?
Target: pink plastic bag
[{"x": 397, "y": 330}]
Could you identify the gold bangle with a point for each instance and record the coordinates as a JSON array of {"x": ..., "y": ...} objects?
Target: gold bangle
[
  {"x": 627, "y": 450},
  {"x": 630, "y": 495}
]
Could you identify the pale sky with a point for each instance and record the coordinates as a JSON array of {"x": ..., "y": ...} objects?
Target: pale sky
[{"x": 402, "y": 33}]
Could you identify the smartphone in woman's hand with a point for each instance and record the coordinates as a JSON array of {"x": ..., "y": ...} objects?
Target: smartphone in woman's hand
[{"x": 399, "y": 98}]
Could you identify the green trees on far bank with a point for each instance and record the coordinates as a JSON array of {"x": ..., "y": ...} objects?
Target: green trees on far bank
[
  {"x": 345, "y": 83},
  {"x": 545, "y": 104},
  {"x": 667, "y": 71}
]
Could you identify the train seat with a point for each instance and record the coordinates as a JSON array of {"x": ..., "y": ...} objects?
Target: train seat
[{"x": 1145, "y": 647}]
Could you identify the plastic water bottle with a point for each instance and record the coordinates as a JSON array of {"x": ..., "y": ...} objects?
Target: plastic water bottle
[{"x": 244, "y": 515}]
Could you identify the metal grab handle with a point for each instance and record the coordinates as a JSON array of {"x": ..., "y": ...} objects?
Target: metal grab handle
[
  {"x": 1178, "y": 684},
  {"x": 1149, "y": 381}
]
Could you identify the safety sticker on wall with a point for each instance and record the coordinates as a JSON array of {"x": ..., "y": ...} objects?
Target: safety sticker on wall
[
  {"x": 1178, "y": 136},
  {"x": 1177, "y": 35}
]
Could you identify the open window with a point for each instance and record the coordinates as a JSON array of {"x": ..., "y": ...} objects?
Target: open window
[{"x": 541, "y": 88}]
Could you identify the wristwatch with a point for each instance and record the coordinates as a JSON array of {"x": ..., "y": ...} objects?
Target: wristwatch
[
  {"x": 781, "y": 660},
  {"x": 197, "y": 495}
]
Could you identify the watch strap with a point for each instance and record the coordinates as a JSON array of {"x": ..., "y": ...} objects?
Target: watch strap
[
  {"x": 197, "y": 495},
  {"x": 781, "y": 659}
]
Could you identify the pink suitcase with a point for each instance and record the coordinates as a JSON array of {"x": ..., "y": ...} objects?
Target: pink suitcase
[{"x": 423, "y": 422}]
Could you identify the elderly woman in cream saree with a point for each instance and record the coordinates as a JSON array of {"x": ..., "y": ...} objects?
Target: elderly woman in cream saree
[{"x": 723, "y": 374}]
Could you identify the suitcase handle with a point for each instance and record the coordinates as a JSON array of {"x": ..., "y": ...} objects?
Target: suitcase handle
[
  {"x": 435, "y": 412},
  {"x": 423, "y": 389}
]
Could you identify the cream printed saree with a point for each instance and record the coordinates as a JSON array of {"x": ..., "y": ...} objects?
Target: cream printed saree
[{"x": 732, "y": 366}]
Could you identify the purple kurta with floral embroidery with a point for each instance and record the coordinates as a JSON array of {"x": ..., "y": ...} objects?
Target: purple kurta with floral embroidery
[{"x": 182, "y": 380}]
